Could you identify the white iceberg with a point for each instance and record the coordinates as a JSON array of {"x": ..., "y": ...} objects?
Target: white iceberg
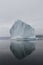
[{"x": 21, "y": 30}]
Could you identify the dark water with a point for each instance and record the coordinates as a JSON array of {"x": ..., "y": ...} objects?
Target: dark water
[{"x": 34, "y": 57}]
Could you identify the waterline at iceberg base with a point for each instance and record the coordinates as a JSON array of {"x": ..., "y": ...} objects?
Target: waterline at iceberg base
[{"x": 22, "y": 48}]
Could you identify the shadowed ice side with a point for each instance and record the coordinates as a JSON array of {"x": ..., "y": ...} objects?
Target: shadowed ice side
[{"x": 22, "y": 48}]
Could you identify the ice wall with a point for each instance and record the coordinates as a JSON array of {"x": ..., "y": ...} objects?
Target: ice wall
[{"x": 21, "y": 30}]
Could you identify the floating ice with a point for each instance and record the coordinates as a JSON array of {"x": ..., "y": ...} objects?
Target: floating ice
[{"x": 21, "y": 30}]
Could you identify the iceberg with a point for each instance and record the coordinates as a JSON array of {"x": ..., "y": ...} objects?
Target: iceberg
[{"x": 21, "y": 30}]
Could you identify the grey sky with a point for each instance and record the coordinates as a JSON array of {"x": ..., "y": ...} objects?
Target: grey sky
[{"x": 30, "y": 11}]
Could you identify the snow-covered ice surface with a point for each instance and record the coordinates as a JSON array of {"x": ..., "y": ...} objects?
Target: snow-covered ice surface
[{"x": 21, "y": 30}]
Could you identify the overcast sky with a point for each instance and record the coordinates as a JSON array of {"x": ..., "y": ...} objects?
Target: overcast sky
[{"x": 30, "y": 11}]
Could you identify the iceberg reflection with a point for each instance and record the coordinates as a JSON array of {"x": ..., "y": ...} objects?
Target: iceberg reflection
[{"x": 22, "y": 48}]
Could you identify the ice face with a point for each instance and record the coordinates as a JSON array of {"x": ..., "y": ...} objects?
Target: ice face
[
  {"x": 22, "y": 49},
  {"x": 21, "y": 30}
]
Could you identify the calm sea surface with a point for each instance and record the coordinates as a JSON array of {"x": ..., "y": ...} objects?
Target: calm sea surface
[{"x": 8, "y": 58}]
